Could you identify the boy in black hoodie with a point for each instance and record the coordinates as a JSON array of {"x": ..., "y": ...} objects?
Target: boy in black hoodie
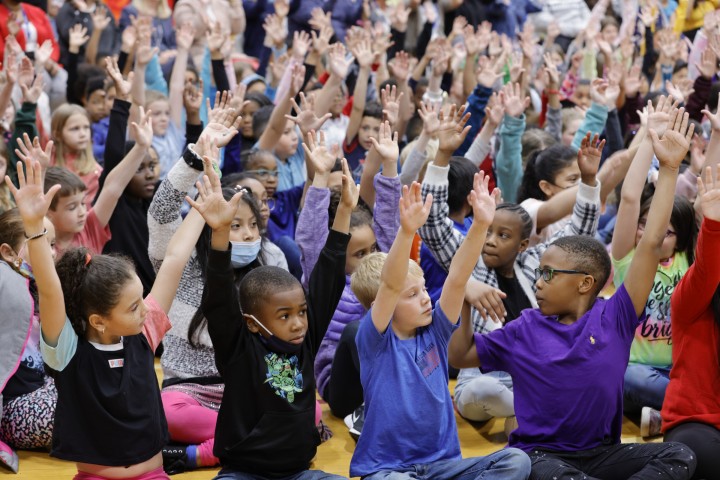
[{"x": 265, "y": 346}]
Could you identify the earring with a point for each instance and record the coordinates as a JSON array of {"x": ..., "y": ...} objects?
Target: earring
[
  {"x": 17, "y": 263},
  {"x": 102, "y": 332}
]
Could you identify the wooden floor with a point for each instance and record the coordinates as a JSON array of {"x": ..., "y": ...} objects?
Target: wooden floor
[{"x": 333, "y": 456}]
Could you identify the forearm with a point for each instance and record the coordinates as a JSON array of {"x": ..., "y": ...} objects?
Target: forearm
[
  {"x": 415, "y": 160},
  {"x": 312, "y": 228},
  {"x": 553, "y": 122},
  {"x": 177, "y": 86},
  {"x": 115, "y": 144},
  {"x": 324, "y": 98},
  {"x": 276, "y": 124},
  {"x": 386, "y": 214},
  {"x": 92, "y": 47},
  {"x": 508, "y": 161},
  {"x": 220, "y": 75},
  {"x": 594, "y": 123}
]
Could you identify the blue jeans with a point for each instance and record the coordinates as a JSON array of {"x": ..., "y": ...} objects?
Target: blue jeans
[
  {"x": 507, "y": 464},
  {"x": 229, "y": 474},
  {"x": 645, "y": 387}
]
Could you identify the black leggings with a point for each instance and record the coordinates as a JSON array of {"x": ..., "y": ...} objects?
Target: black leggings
[
  {"x": 344, "y": 392},
  {"x": 704, "y": 440}
]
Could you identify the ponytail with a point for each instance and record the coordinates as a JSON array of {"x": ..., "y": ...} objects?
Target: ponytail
[{"x": 91, "y": 284}]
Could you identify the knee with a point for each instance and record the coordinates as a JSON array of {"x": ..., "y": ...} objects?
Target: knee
[
  {"x": 516, "y": 462},
  {"x": 681, "y": 455},
  {"x": 483, "y": 390}
]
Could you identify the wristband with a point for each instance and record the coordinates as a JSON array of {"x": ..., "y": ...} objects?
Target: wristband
[
  {"x": 37, "y": 235},
  {"x": 193, "y": 160}
]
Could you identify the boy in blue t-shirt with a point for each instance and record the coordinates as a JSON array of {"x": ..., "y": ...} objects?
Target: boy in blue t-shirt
[
  {"x": 568, "y": 357},
  {"x": 409, "y": 429}
]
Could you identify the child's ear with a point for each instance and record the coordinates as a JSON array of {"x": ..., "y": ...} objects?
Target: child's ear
[
  {"x": 586, "y": 285},
  {"x": 523, "y": 245},
  {"x": 8, "y": 253},
  {"x": 96, "y": 322},
  {"x": 251, "y": 325},
  {"x": 546, "y": 188}
]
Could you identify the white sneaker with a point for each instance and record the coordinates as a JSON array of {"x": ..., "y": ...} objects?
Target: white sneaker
[
  {"x": 650, "y": 422},
  {"x": 355, "y": 421}
]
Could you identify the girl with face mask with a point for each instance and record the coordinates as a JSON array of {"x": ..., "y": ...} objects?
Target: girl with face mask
[{"x": 192, "y": 387}]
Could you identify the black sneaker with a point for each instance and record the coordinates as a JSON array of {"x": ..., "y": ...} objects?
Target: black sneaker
[
  {"x": 355, "y": 421},
  {"x": 175, "y": 459}
]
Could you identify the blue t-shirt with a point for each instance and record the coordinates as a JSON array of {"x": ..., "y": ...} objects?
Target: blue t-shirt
[
  {"x": 409, "y": 417},
  {"x": 567, "y": 379}
]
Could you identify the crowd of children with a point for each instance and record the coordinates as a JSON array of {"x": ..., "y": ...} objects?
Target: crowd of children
[{"x": 296, "y": 201}]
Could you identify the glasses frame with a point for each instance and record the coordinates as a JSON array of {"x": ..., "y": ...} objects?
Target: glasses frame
[
  {"x": 548, "y": 273},
  {"x": 264, "y": 173}
]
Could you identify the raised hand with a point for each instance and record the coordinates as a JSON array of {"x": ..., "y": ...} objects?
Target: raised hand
[
  {"x": 78, "y": 37},
  {"x": 122, "y": 86},
  {"x": 598, "y": 88},
  {"x": 297, "y": 79},
  {"x": 431, "y": 121},
  {"x": 350, "y": 191},
  {"x": 489, "y": 71},
  {"x": 709, "y": 195},
  {"x": 681, "y": 91},
  {"x": 32, "y": 93},
  {"x": 338, "y": 63},
  {"x": 275, "y": 30},
  {"x": 26, "y": 72},
  {"x": 185, "y": 36},
  {"x": 12, "y": 68},
  {"x": 238, "y": 97},
  {"x": 495, "y": 110},
  {"x": 142, "y": 131},
  {"x": 589, "y": 157},
  {"x": 632, "y": 81},
  {"x": 515, "y": 105},
  {"x": 319, "y": 19},
  {"x": 386, "y": 144},
  {"x": 391, "y": 103},
  {"x": 32, "y": 151},
  {"x": 33, "y": 204},
  {"x": 217, "y": 212},
  {"x": 362, "y": 51},
  {"x": 516, "y": 70},
  {"x": 282, "y": 8},
  {"x": 481, "y": 201},
  {"x": 223, "y": 121},
  {"x": 43, "y": 53},
  {"x": 714, "y": 118},
  {"x": 452, "y": 130},
  {"x": 552, "y": 74},
  {"x": 128, "y": 38},
  {"x": 673, "y": 147},
  {"x": 321, "y": 41},
  {"x": 192, "y": 98},
  {"x": 413, "y": 211},
  {"x": 658, "y": 117},
  {"x": 399, "y": 17},
  {"x": 306, "y": 118},
  {"x": 100, "y": 18},
  {"x": 708, "y": 63},
  {"x": 144, "y": 51},
  {"x": 215, "y": 37},
  {"x": 399, "y": 67},
  {"x": 300, "y": 45},
  {"x": 317, "y": 153}
]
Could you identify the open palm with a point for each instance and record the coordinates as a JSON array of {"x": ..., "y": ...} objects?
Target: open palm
[
  {"x": 217, "y": 212},
  {"x": 590, "y": 154},
  {"x": 709, "y": 195},
  {"x": 675, "y": 143},
  {"x": 413, "y": 211},
  {"x": 317, "y": 153},
  {"x": 386, "y": 144},
  {"x": 32, "y": 201},
  {"x": 482, "y": 203}
]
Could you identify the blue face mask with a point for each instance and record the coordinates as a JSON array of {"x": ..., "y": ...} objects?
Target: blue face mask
[
  {"x": 244, "y": 253},
  {"x": 273, "y": 343}
]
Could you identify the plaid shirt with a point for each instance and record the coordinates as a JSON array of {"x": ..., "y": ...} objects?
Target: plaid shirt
[{"x": 443, "y": 239}]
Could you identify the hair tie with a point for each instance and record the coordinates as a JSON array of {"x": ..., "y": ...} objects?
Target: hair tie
[{"x": 88, "y": 257}]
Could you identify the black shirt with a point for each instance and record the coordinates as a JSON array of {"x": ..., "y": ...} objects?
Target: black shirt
[
  {"x": 109, "y": 410},
  {"x": 516, "y": 301},
  {"x": 266, "y": 422}
]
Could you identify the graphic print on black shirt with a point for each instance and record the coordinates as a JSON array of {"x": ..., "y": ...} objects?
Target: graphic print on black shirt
[{"x": 284, "y": 376}]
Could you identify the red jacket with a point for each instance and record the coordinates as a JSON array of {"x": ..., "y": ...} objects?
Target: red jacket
[
  {"x": 41, "y": 22},
  {"x": 693, "y": 394}
]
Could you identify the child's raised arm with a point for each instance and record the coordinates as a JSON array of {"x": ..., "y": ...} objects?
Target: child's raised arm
[
  {"x": 670, "y": 151},
  {"x": 184, "y": 37},
  {"x": 276, "y": 125},
  {"x": 33, "y": 204},
  {"x": 386, "y": 148},
  {"x": 629, "y": 209},
  {"x": 118, "y": 179},
  {"x": 364, "y": 56},
  {"x": 413, "y": 214},
  {"x": 463, "y": 263}
]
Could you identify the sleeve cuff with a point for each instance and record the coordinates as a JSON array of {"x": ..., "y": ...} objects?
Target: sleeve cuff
[
  {"x": 436, "y": 175},
  {"x": 589, "y": 194}
]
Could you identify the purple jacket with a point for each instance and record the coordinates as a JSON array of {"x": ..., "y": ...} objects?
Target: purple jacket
[{"x": 312, "y": 230}]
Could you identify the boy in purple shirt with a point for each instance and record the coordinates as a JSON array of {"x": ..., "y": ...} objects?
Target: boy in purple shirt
[
  {"x": 568, "y": 357},
  {"x": 409, "y": 430}
]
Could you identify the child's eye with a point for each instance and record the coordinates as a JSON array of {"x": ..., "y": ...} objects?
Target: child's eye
[
  {"x": 504, "y": 235},
  {"x": 234, "y": 226},
  {"x": 303, "y": 312}
]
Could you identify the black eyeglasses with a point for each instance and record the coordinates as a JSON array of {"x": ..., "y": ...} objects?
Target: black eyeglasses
[
  {"x": 262, "y": 173},
  {"x": 547, "y": 273}
]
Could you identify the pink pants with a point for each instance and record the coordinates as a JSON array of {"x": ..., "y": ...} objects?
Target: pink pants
[
  {"x": 157, "y": 474},
  {"x": 191, "y": 423}
]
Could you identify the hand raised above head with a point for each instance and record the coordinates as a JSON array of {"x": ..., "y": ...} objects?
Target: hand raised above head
[{"x": 675, "y": 142}]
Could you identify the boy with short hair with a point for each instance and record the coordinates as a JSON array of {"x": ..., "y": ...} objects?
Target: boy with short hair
[
  {"x": 75, "y": 225},
  {"x": 409, "y": 429},
  {"x": 265, "y": 345},
  {"x": 568, "y": 357}
]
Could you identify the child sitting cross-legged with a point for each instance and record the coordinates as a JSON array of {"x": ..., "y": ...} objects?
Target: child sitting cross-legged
[
  {"x": 402, "y": 346},
  {"x": 265, "y": 344},
  {"x": 568, "y": 357}
]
